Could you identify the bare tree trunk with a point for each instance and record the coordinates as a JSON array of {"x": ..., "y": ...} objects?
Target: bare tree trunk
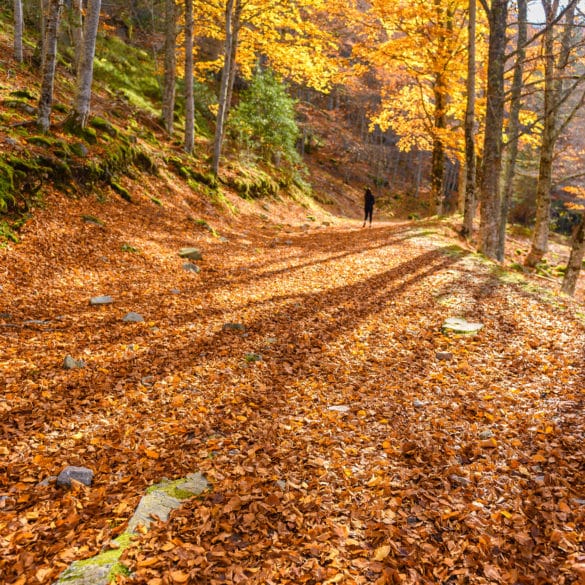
[
  {"x": 224, "y": 86},
  {"x": 492, "y": 150},
  {"x": 189, "y": 99},
  {"x": 470, "y": 160},
  {"x": 234, "y": 54},
  {"x": 168, "y": 105},
  {"x": 18, "y": 31},
  {"x": 438, "y": 155},
  {"x": 49, "y": 65},
  {"x": 77, "y": 26},
  {"x": 80, "y": 115},
  {"x": 552, "y": 101},
  {"x": 576, "y": 259},
  {"x": 513, "y": 126}
]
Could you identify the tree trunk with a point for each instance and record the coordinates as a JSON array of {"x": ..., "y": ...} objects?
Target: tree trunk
[
  {"x": 234, "y": 54},
  {"x": 168, "y": 105},
  {"x": 80, "y": 115},
  {"x": 77, "y": 26},
  {"x": 492, "y": 149},
  {"x": 552, "y": 100},
  {"x": 189, "y": 99},
  {"x": 438, "y": 156},
  {"x": 470, "y": 159},
  {"x": 576, "y": 259},
  {"x": 18, "y": 31},
  {"x": 49, "y": 65},
  {"x": 513, "y": 126},
  {"x": 224, "y": 86}
]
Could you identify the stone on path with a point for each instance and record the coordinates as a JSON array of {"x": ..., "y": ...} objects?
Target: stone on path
[
  {"x": 444, "y": 355},
  {"x": 70, "y": 363},
  {"x": 461, "y": 326},
  {"x": 190, "y": 267},
  {"x": 190, "y": 253},
  {"x": 159, "y": 501},
  {"x": 233, "y": 327},
  {"x": 71, "y": 473},
  {"x": 133, "y": 318},
  {"x": 339, "y": 408},
  {"x": 101, "y": 300}
]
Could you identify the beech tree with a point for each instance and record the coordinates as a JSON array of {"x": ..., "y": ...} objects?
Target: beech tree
[
  {"x": 557, "y": 92},
  {"x": 49, "y": 64},
  {"x": 170, "y": 66},
  {"x": 497, "y": 14},
  {"x": 18, "y": 31},
  {"x": 80, "y": 115},
  {"x": 189, "y": 142},
  {"x": 576, "y": 258}
]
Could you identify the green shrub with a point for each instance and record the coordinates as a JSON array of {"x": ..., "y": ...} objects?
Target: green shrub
[{"x": 264, "y": 120}]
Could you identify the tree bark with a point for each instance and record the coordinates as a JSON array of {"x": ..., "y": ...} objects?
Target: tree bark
[
  {"x": 576, "y": 259},
  {"x": 553, "y": 89},
  {"x": 470, "y": 160},
  {"x": 492, "y": 149},
  {"x": 513, "y": 126},
  {"x": 77, "y": 26},
  {"x": 49, "y": 65},
  {"x": 438, "y": 155},
  {"x": 168, "y": 105},
  {"x": 189, "y": 99},
  {"x": 18, "y": 31},
  {"x": 80, "y": 115},
  {"x": 224, "y": 86}
]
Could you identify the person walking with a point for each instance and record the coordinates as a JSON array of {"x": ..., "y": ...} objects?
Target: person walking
[{"x": 368, "y": 206}]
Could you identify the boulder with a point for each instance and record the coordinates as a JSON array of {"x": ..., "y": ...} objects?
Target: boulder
[
  {"x": 234, "y": 327},
  {"x": 133, "y": 318},
  {"x": 190, "y": 267},
  {"x": 70, "y": 363},
  {"x": 101, "y": 300},
  {"x": 461, "y": 326}
]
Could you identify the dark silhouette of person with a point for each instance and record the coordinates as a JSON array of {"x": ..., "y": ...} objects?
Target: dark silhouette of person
[{"x": 368, "y": 206}]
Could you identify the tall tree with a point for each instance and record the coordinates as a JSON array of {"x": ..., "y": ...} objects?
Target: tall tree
[
  {"x": 470, "y": 155},
  {"x": 49, "y": 64},
  {"x": 189, "y": 99},
  {"x": 230, "y": 52},
  {"x": 556, "y": 64},
  {"x": 76, "y": 17},
  {"x": 575, "y": 259},
  {"x": 497, "y": 15},
  {"x": 513, "y": 131},
  {"x": 170, "y": 73},
  {"x": 18, "y": 31},
  {"x": 80, "y": 115}
]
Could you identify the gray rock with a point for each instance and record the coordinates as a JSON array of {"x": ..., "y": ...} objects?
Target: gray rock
[
  {"x": 189, "y": 267},
  {"x": 459, "y": 480},
  {"x": 47, "y": 481},
  {"x": 133, "y": 318},
  {"x": 444, "y": 356},
  {"x": 461, "y": 326},
  {"x": 233, "y": 327},
  {"x": 71, "y": 473},
  {"x": 70, "y": 363},
  {"x": 84, "y": 573},
  {"x": 339, "y": 408},
  {"x": 417, "y": 403},
  {"x": 190, "y": 253},
  {"x": 10, "y": 141},
  {"x": 288, "y": 242},
  {"x": 175, "y": 291},
  {"x": 487, "y": 434},
  {"x": 165, "y": 497},
  {"x": 101, "y": 300},
  {"x": 281, "y": 484}
]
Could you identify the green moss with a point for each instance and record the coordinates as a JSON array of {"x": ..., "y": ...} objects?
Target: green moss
[
  {"x": 129, "y": 248},
  {"x": 124, "y": 193},
  {"x": 23, "y": 93},
  {"x": 41, "y": 140},
  {"x": 156, "y": 201},
  {"x": 103, "y": 125},
  {"x": 92, "y": 219},
  {"x": 172, "y": 488},
  {"x": 7, "y": 233},
  {"x": 6, "y": 186}
]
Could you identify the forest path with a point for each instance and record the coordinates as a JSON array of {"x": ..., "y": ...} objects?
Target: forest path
[{"x": 464, "y": 470}]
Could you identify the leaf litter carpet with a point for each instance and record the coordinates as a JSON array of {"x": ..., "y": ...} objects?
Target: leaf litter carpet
[{"x": 467, "y": 470}]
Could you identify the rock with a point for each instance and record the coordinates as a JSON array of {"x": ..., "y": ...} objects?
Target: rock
[
  {"x": 487, "y": 434},
  {"x": 71, "y": 473},
  {"x": 10, "y": 141},
  {"x": 70, "y": 363},
  {"x": 339, "y": 408},
  {"x": 417, "y": 403},
  {"x": 101, "y": 300},
  {"x": 133, "y": 318},
  {"x": 459, "y": 480},
  {"x": 444, "y": 356},
  {"x": 189, "y": 267},
  {"x": 233, "y": 327},
  {"x": 281, "y": 484},
  {"x": 461, "y": 326},
  {"x": 288, "y": 243},
  {"x": 5, "y": 316},
  {"x": 47, "y": 481},
  {"x": 175, "y": 291},
  {"x": 190, "y": 253}
]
